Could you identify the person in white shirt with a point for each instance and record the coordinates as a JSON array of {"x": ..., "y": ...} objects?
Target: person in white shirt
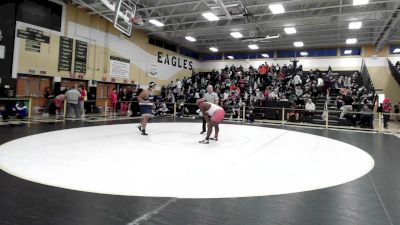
[
  {"x": 178, "y": 85},
  {"x": 310, "y": 107},
  {"x": 210, "y": 97}
]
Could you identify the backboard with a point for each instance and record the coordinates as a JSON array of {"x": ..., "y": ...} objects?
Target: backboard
[{"x": 124, "y": 11}]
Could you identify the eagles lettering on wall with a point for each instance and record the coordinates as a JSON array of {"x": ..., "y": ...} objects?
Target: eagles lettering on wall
[{"x": 175, "y": 61}]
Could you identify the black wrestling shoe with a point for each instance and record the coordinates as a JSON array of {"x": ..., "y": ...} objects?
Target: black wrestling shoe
[
  {"x": 139, "y": 127},
  {"x": 202, "y": 132},
  {"x": 144, "y": 132},
  {"x": 214, "y": 138},
  {"x": 205, "y": 141}
]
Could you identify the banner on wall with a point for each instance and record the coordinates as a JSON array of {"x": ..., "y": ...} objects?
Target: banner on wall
[
  {"x": 119, "y": 67},
  {"x": 152, "y": 70}
]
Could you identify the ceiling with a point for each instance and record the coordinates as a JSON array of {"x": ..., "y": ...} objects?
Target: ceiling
[{"x": 319, "y": 23}]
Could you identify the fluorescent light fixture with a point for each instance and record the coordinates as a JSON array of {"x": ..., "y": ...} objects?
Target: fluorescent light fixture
[
  {"x": 351, "y": 41},
  {"x": 397, "y": 50},
  {"x": 253, "y": 47},
  {"x": 214, "y": 49},
  {"x": 360, "y": 2},
  {"x": 298, "y": 44},
  {"x": 272, "y": 36},
  {"x": 210, "y": 16},
  {"x": 355, "y": 25},
  {"x": 290, "y": 30},
  {"x": 230, "y": 57},
  {"x": 236, "y": 35},
  {"x": 190, "y": 38},
  {"x": 265, "y": 55},
  {"x": 348, "y": 52},
  {"x": 277, "y": 8},
  {"x": 157, "y": 23},
  {"x": 304, "y": 53}
]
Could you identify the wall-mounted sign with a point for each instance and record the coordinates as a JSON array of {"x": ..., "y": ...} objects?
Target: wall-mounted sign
[
  {"x": 152, "y": 70},
  {"x": 65, "y": 55},
  {"x": 81, "y": 48},
  {"x": 34, "y": 39},
  {"x": 175, "y": 61},
  {"x": 119, "y": 67}
]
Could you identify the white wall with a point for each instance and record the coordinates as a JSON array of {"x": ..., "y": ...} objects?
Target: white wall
[{"x": 125, "y": 48}]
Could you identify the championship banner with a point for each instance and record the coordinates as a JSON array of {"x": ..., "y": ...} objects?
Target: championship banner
[
  {"x": 119, "y": 67},
  {"x": 152, "y": 70}
]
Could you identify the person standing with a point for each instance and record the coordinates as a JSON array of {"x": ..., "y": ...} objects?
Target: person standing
[
  {"x": 72, "y": 96},
  {"x": 210, "y": 97},
  {"x": 49, "y": 95},
  {"x": 124, "y": 100},
  {"x": 82, "y": 100},
  {"x": 113, "y": 102},
  {"x": 386, "y": 109},
  {"x": 146, "y": 106}
]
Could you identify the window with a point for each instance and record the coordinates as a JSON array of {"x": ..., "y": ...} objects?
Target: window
[
  {"x": 350, "y": 51},
  {"x": 189, "y": 53},
  {"x": 162, "y": 44},
  {"x": 211, "y": 57},
  {"x": 45, "y": 14},
  {"x": 394, "y": 50},
  {"x": 286, "y": 54}
]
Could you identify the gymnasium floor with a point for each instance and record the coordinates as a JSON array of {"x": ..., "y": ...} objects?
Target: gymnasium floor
[{"x": 253, "y": 175}]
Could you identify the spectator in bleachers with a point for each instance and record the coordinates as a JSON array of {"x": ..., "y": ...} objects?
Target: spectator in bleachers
[
  {"x": 348, "y": 105},
  {"x": 310, "y": 107}
]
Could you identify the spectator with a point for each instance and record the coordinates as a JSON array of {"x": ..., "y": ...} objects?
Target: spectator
[
  {"x": 348, "y": 105},
  {"x": 59, "y": 102},
  {"x": 82, "y": 100},
  {"x": 72, "y": 96},
  {"x": 124, "y": 100},
  {"x": 386, "y": 109},
  {"x": 310, "y": 107},
  {"x": 49, "y": 95},
  {"x": 396, "y": 111},
  {"x": 113, "y": 102},
  {"x": 20, "y": 110}
]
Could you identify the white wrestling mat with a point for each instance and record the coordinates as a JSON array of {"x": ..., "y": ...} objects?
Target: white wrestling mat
[{"x": 246, "y": 161}]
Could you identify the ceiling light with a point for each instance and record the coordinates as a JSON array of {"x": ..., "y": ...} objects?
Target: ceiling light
[
  {"x": 397, "y": 50},
  {"x": 355, "y": 25},
  {"x": 277, "y": 8},
  {"x": 348, "y": 52},
  {"x": 210, "y": 16},
  {"x": 351, "y": 41},
  {"x": 304, "y": 53},
  {"x": 360, "y": 2},
  {"x": 190, "y": 38},
  {"x": 236, "y": 35},
  {"x": 214, "y": 49},
  {"x": 290, "y": 30},
  {"x": 253, "y": 47},
  {"x": 298, "y": 44},
  {"x": 157, "y": 23},
  {"x": 230, "y": 57},
  {"x": 265, "y": 55}
]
